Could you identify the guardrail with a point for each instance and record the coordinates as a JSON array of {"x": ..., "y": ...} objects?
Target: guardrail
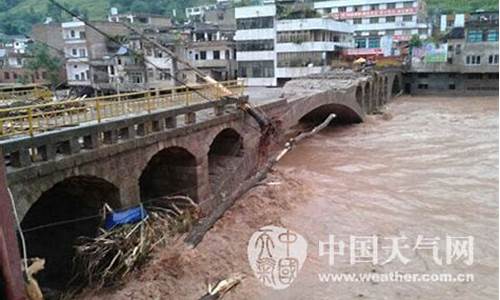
[
  {"x": 20, "y": 92},
  {"x": 33, "y": 119}
]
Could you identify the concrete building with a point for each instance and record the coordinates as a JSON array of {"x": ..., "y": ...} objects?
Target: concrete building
[
  {"x": 94, "y": 61},
  {"x": 447, "y": 22},
  {"x": 143, "y": 19},
  {"x": 374, "y": 19},
  {"x": 197, "y": 12},
  {"x": 467, "y": 62},
  {"x": 212, "y": 50},
  {"x": 88, "y": 53},
  {"x": 271, "y": 50}
]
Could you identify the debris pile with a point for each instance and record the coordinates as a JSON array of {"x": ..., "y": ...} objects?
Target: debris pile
[
  {"x": 338, "y": 79},
  {"x": 106, "y": 259}
]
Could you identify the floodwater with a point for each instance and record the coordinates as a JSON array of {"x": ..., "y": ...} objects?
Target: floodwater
[{"x": 428, "y": 168}]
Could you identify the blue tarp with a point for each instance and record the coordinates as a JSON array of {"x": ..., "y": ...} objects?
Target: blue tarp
[{"x": 129, "y": 216}]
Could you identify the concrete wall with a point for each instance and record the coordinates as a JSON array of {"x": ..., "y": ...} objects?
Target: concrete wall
[{"x": 452, "y": 84}]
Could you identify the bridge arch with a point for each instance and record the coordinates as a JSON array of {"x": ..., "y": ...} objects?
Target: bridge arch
[
  {"x": 72, "y": 207},
  {"x": 367, "y": 97},
  {"x": 225, "y": 156},
  {"x": 171, "y": 171},
  {"x": 359, "y": 96},
  {"x": 344, "y": 114},
  {"x": 380, "y": 98},
  {"x": 386, "y": 95},
  {"x": 396, "y": 86}
]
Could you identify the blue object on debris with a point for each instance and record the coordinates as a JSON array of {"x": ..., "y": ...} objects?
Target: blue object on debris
[{"x": 129, "y": 216}]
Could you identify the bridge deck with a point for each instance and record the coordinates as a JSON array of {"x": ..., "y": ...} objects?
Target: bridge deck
[{"x": 35, "y": 119}]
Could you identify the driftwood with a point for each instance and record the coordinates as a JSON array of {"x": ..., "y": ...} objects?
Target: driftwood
[
  {"x": 33, "y": 290},
  {"x": 106, "y": 259},
  {"x": 218, "y": 290},
  {"x": 199, "y": 230}
]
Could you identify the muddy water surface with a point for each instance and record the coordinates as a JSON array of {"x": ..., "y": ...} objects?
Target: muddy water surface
[{"x": 430, "y": 168}]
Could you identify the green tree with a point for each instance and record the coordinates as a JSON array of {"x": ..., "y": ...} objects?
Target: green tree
[{"x": 41, "y": 60}]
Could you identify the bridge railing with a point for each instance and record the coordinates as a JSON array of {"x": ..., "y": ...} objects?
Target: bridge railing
[{"x": 33, "y": 119}]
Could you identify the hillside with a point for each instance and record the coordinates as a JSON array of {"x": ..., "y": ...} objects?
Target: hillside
[
  {"x": 460, "y": 6},
  {"x": 17, "y": 16}
]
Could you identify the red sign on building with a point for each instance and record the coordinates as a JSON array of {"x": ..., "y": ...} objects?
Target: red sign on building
[
  {"x": 375, "y": 13},
  {"x": 364, "y": 52}
]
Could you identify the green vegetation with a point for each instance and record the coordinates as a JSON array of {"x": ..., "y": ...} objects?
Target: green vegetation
[
  {"x": 17, "y": 16},
  {"x": 460, "y": 6},
  {"x": 41, "y": 60}
]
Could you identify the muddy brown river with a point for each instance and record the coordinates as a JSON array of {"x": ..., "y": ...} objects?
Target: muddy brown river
[{"x": 426, "y": 172}]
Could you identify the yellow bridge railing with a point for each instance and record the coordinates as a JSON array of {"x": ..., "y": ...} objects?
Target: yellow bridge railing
[
  {"x": 20, "y": 92},
  {"x": 33, "y": 119}
]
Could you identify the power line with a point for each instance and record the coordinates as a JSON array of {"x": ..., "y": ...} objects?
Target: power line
[{"x": 118, "y": 42}]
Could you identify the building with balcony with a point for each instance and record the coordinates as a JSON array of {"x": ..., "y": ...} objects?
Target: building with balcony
[
  {"x": 467, "y": 62},
  {"x": 140, "y": 19},
  {"x": 397, "y": 20},
  {"x": 212, "y": 50},
  {"x": 273, "y": 48},
  {"x": 85, "y": 49}
]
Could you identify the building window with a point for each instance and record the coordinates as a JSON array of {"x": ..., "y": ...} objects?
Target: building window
[
  {"x": 389, "y": 32},
  {"x": 256, "y": 45},
  {"x": 357, "y": 8},
  {"x": 408, "y": 4},
  {"x": 158, "y": 54},
  {"x": 407, "y": 18},
  {"x": 360, "y": 42},
  {"x": 451, "y": 86},
  {"x": 203, "y": 55},
  {"x": 374, "y": 7},
  {"x": 373, "y": 42},
  {"x": 72, "y": 33},
  {"x": 423, "y": 75},
  {"x": 77, "y": 76},
  {"x": 390, "y": 19},
  {"x": 83, "y": 53},
  {"x": 473, "y": 60},
  {"x": 493, "y": 59},
  {"x": 342, "y": 9},
  {"x": 373, "y": 20},
  {"x": 474, "y": 76},
  {"x": 458, "y": 49},
  {"x": 423, "y": 86},
  {"x": 255, "y": 23},
  {"x": 228, "y": 53},
  {"x": 356, "y": 21},
  {"x": 492, "y": 36},
  {"x": 300, "y": 59},
  {"x": 216, "y": 54},
  {"x": 74, "y": 52},
  {"x": 256, "y": 69},
  {"x": 391, "y": 5},
  {"x": 475, "y": 36}
]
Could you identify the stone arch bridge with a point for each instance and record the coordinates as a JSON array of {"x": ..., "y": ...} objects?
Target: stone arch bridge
[{"x": 70, "y": 173}]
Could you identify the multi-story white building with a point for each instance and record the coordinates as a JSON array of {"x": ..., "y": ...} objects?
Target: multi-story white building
[
  {"x": 373, "y": 19},
  {"x": 212, "y": 50},
  {"x": 271, "y": 50},
  {"x": 76, "y": 53}
]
